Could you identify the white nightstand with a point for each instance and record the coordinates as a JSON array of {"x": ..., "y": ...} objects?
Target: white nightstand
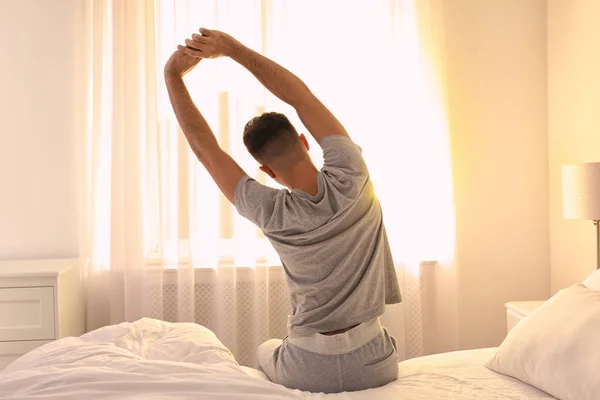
[
  {"x": 40, "y": 301},
  {"x": 517, "y": 310}
]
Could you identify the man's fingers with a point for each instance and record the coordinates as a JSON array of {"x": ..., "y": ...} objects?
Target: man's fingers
[
  {"x": 205, "y": 32},
  {"x": 191, "y": 52},
  {"x": 193, "y": 44},
  {"x": 199, "y": 38}
]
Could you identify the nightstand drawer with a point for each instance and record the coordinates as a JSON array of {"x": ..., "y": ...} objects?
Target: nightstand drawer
[
  {"x": 516, "y": 311},
  {"x": 27, "y": 313},
  {"x": 512, "y": 319}
]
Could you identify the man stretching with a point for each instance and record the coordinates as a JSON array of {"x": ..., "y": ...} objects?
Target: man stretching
[{"x": 327, "y": 228}]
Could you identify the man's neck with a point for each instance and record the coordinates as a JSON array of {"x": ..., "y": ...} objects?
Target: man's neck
[{"x": 304, "y": 177}]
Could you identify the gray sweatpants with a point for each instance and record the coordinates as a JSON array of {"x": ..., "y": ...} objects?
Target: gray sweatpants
[{"x": 363, "y": 357}]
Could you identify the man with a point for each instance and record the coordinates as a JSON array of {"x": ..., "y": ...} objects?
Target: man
[{"x": 327, "y": 228}]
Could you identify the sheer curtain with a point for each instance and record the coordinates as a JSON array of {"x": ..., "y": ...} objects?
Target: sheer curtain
[{"x": 162, "y": 242}]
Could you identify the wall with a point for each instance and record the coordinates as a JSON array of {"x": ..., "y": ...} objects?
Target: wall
[
  {"x": 573, "y": 127},
  {"x": 37, "y": 179},
  {"x": 496, "y": 63}
]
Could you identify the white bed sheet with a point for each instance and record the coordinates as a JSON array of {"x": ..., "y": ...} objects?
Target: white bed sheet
[
  {"x": 150, "y": 359},
  {"x": 456, "y": 375}
]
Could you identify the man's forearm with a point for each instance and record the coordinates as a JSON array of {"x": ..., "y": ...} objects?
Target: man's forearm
[
  {"x": 192, "y": 123},
  {"x": 278, "y": 80}
]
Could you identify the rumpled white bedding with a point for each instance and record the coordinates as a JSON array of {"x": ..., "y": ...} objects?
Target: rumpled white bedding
[{"x": 151, "y": 359}]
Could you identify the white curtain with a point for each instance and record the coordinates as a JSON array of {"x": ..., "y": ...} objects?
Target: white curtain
[{"x": 162, "y": 242}]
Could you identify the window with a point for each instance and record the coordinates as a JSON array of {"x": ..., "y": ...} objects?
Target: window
[{"x": 384, "y": 91}]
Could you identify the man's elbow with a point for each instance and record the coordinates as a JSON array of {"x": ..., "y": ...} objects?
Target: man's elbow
[
  {"x": 205, "y": 150},
  {"x": 302, "y": 97}
]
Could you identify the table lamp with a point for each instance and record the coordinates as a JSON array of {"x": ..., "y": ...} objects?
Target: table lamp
[{"x": 581, "y": 196}]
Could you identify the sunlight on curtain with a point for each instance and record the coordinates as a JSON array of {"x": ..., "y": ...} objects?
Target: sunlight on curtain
[{"x": 422, "y": 203}]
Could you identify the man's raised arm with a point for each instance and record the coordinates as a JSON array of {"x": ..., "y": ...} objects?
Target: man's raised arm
[
  {"x": 282, "y": 83},
  {"x": 222, "y": 168}
]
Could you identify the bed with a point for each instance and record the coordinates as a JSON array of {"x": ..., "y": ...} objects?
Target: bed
[{"x": 152, "y": 359}]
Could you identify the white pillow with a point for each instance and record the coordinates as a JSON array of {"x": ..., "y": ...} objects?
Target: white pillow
[
  {"x": 593, "y": 281},
  {"x": 557, "y": 348}
]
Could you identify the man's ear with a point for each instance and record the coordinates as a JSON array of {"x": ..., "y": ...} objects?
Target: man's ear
[
  {"x": 304, "y": 141},
  {"x": 268, "y": 171}
]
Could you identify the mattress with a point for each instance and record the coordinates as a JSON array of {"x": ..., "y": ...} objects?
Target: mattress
[{"x": 152, "y": 359}]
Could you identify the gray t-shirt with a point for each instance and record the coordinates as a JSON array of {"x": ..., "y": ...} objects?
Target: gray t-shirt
[{"x": 333, "y": 246}]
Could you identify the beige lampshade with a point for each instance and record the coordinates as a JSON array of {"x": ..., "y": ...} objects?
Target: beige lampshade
[{"x": 581, "y": 191}]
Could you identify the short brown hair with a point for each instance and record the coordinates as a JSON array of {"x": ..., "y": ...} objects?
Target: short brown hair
[{"x": 269, "y": 136}]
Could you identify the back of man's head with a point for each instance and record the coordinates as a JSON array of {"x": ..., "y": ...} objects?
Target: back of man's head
[{"x": 272, "y": 140}]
